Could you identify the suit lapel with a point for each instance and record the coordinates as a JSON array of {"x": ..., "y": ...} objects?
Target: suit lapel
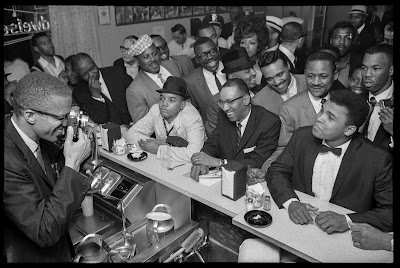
[
  {"x": 310, "y": 155},
  {"x": 380, "y": 135},
  {"x": 148, "y": 81},
  {"x": 251, "y": 125},
  {"x": 309, "y": 109},
  {"x": 47, "y": 163}
]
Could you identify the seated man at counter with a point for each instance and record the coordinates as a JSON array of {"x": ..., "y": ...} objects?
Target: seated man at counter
[
  {"x": 39, "y": 201},
  {"x": 332, "y": 161},
  {"x": 245, "y": 133},
  {"x": 101, "y": 91},
  {"x": 172, "y": 116},
  {"x": 141, "y": 94}
]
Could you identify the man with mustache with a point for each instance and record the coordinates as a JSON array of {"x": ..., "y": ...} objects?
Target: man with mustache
[
  {"x": 101, "y": 91},
  {"x": 207, "y": 80},
  {"x": 42, "y": 192},
  {"x": 141, "y": 93},
  {"x": 343, "y": 34},
  {"x": 183, "y": 60}
]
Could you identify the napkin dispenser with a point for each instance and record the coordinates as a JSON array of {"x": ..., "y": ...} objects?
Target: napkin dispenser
[
  {"x": 233, "y": 181},
  {"x": 110, "y": 132}
]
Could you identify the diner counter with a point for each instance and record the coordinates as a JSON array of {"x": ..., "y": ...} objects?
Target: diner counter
[{"x": 306, "y": 241}]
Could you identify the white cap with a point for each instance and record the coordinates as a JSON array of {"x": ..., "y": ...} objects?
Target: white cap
[
  {"x": 274, "y": 22},
  {"x": 358, "y": 9},
  {"x": 290, "y": 19}
]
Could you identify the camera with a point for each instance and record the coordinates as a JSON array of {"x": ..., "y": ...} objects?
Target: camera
[
  {"x": 77, "y": 119},
  {"x": 386, "y": 103}
]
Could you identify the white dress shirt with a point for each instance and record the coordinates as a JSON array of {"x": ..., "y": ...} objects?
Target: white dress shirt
[
  {"x": 374, "y": 121},
  {"x": 184, "y": 49},
  {"x": 243, "y": 123},
  {"x": 210, "y": 78},
  {"x": 103, "y": 88},
  {"x": 188, "y": 125},
  {"x": 292, "y": 89},
  {"x": 164, "y": 73},
  {"x": 50, "y": 68},
  {"x": 316, "y": 102}
]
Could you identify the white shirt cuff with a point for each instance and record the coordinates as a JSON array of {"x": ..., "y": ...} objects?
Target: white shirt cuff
[
  {"x": 99, "y": 99},
  {"x": 391, "y": 144},
  {"x": 288, "y": 202},
  {"x": 348, "y": 221}
]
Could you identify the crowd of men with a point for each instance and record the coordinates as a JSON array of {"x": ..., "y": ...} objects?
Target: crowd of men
[{"x": 319, "y": 122}]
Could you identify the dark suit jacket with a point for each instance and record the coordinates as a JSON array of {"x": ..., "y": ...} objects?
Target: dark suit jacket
[
  {"x": 185, "y": 62},
  {"x": 365, "y": 40},
  {"x": 115, "y": 111},
  {"x": 363, "y": 183},
  {"x": 141, "y": 93},
  {"x": 38, "y": 208},
  {"x": 293, "y": 69},
  {"x": 119, "y": 62},
  {"x": 260, "y": 138}
]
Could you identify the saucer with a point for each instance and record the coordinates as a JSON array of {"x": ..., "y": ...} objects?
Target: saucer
[
  {"x": 258, "y": 218},
  {"x": 136, "y": 157}
]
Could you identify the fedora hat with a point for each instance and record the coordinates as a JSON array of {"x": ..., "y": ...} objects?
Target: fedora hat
[
  {"x": 175, "y": 85},
  {"x": 236, "y": 60},
  {"x": 358, "y": 9}
]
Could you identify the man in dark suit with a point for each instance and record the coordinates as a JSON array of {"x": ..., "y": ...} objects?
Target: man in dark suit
[
  {"x": 183, "y": 60},
  {"x": 292, "y": 40},
  {"x": 41, "y": 192},
  {"x": 365, "y": 37},
  {"x": 334, "y": 162},
  {"x": 101, "y": 92},
  {"x": 141, "y": 93},
  {"x": 205, "y": 81},
  {"x": 377, "y": 72},
  {"x": 128, "y": 63},
  {"x": 245, "y": 133}
]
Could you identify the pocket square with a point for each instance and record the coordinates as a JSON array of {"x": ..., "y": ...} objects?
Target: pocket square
[{"x": 248, "y": 150}]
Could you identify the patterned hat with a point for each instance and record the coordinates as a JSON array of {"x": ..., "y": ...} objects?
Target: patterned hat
[
  {"x": 140, "y": 46},
  {"x": 274, "y": 22},
  {"x": 214, "y": 19},
  {"x": 358, "y": 9}
]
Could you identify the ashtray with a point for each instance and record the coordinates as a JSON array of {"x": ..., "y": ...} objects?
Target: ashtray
[
  {"x": 136, "y": 157},
  {"x": 258, "y": 218}
]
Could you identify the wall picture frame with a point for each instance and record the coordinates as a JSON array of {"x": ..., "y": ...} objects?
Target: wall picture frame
[
  {"x": 123, "y": 15},
  {"x": 104, "y": 15}
]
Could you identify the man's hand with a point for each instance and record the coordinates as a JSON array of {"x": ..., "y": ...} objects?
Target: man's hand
[
  {"x": 202, "y": 158},
  {"x": 94, "y": 87},
  {"x": 365, "y": 236},
  {"x": 149, "y": 145},
  {"x": 386, "y": 117},
  {"x": 331, "y": 222},
  {"x": 257, "y": 173},
  {"x": 63, "y": 77},
  {"x": 198, "y": 170},
  {"x": 299, "y": 212},
  {"x": 76, "y": 152}
]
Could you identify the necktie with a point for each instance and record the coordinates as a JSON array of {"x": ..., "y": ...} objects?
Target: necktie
[
  {"x": 323, "y": 101},
  {"x": 217, "y": 81},
  {"x": 324, "y": 149},
  {"x": 239, "y": 133},
  {"x": 40, "y": 158},
  {"x": 373, "y": 103},
  {"x": 161, "y": 79}
]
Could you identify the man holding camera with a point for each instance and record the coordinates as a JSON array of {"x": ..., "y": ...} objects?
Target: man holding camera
[
  {"x": 40, "y": 197},
  {"x": 174, "y": 121},
  {"x": 377, "y": 71}
]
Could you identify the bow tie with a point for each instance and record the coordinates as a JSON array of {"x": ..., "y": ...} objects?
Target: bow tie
[{"x": 324, "y": 149}]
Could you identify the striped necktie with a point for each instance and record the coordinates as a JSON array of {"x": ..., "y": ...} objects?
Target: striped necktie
[
  {"x": 161, "y": 78},
  {"x": 239, "y": 133}
]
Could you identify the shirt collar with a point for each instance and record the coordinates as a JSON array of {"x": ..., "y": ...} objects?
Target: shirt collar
[
  {"x": 245, "y": 120},
  {"x": 155, "y": 76},
  {"x": 359, "y": 30},
  {"x": 33, "y": 145},
  {"x": 45, "y": 63},
  {"x": 315, "y": 100},
  {"x": 219, "y": 69},
  {"x": 288, "y": 54},
  {"x": 135, "y": 65},
  {"x": 344, "y": 146},
  {"x": 101, "y": 79},
  {"x": 387, "y": 94}
]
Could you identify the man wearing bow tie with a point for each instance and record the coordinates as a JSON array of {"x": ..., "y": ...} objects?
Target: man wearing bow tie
[{"x": 331, "y": 160}]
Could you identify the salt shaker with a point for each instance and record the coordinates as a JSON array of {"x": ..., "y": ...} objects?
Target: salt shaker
[
  {"x": 249, "y": 204},
  {"x": 267, "y": 203}
]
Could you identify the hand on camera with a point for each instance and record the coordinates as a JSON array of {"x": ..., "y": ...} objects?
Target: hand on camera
[{"x": 76, "y": 152}]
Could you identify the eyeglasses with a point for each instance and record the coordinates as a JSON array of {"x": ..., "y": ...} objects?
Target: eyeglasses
[
  {"x": 59, "y": 118},
  {"x": 212, "y": 52},
  {"x": 163, "y": 47},
  {"x": 123, "y": 49},
  {"x": 229, "y": 102}
]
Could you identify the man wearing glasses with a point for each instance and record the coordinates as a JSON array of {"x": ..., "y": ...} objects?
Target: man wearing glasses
[
  {"x": 207, "y": 80},
  {"x": 42, "y": 189},
  {"x": 183, "y": 60},
  {"x": 245, "y": 133},
  {"x": 128, "y": 63}
]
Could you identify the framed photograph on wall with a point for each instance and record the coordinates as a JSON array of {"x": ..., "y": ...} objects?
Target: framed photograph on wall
[
  {"x": 198, "y": 10},
  {"x": 123, "y": 15},
  {"x": 210, "y": 9},
  {"x": 104, "y": 15},
  {"x": 157, "y": 13},
  {"x": 140, "y": 14},
  {"x": 171, "y": 12},
  {"x": 185, "y": 11}
]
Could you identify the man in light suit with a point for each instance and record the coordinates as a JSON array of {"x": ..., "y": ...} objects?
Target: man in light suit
[
  {"x": 334, "y": 162},
  {"x": 43, "y": 188},
  {"x": 141, "y": 93},
  {"x": 257, "y": 138},
  {"x": 202, "y": 84},
  {"x": 183, "y": 60},
  {"x": 379, "y": 82},
  {"x": 101, "y": 91},
  {"x": 281, "y": 84}
]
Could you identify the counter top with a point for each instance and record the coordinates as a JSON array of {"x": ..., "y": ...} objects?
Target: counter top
[
  {"x": 179, "y": 180},
  {"x": 309, "y": 241}
]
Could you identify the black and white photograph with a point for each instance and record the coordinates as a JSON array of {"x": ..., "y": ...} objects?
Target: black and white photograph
[
  {"x": 123, "y": 15},
  {"x": 140, "y": 13}
]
